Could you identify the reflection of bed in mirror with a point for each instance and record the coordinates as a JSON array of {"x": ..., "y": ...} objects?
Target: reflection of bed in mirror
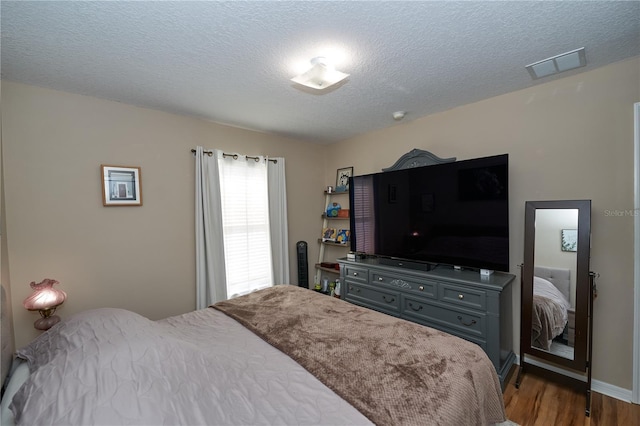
[{"x": 552, "y": 314}]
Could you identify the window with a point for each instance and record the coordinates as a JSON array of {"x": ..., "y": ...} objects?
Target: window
[{"x": 245, "y": 224}]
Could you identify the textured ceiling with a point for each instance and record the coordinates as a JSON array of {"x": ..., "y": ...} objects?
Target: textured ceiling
[{"x": 231, "y": 62}]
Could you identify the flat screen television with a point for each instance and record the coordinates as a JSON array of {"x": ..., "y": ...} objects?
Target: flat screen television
[{"x": 453, "y": 213}]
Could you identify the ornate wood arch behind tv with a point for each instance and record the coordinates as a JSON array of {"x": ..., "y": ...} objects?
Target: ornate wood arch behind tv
[{"x": 418, "y": 158}]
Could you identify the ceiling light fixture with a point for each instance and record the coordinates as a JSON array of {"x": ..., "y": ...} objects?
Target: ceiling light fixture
[
  {"x": 320, "y": 76},
  {"x": 556, "y": 64},
  {"x": 399, "y": 115}
]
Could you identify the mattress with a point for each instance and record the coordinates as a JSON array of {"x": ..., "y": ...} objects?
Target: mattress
[
  {"x": 18, "y": 375},
  {"x": 131, "y": 370},
  {"x": 112, "y": 366}
]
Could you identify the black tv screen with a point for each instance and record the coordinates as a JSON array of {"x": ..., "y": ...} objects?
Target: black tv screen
[{"x": 453, "y": 213}]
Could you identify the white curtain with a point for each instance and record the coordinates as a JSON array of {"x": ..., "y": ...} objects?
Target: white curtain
[
  {"x": 241, "y": 222},
  {"x": 211, "y": 285},
  {"x": 278, "y": 222}
]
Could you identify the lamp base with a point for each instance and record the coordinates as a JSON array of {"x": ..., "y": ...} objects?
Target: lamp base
[{"x": 46, "y": 323}]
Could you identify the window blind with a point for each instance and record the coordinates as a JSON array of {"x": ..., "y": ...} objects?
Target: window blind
[
  {"x": 364, "y": 215},
  {"x": 245, "y": 218}
]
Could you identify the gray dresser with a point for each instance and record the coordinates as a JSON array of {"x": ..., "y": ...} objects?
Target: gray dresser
[{"x": 460, "y": 302}]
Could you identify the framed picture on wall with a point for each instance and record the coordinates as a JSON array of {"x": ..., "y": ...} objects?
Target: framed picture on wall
[
  {"x": 342, "y": 179},
  {"x": 569, "y": 240},
  {"x": 121, "y": 186}
]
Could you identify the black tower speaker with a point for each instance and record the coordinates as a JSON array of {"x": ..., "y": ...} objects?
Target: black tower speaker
[{"x": 303, "y": 265}]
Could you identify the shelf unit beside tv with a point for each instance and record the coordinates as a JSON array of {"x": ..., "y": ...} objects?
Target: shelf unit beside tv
[{"x": 330, "y": 222}]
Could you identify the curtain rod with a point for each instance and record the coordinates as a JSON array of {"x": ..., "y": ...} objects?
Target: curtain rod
[{"x": 235, "y": 156}]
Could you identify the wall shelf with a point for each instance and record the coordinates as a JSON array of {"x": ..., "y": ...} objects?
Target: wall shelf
[
  {"x": 330, "y": 270},
  {"x": 336, "y": 222},
  {"x": 331, "y": 243}
]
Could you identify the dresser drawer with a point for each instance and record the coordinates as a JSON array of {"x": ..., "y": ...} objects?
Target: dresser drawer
[
  {"x": 463, "y": 296},
  {"x": 389, "y": 301},
  {"x": 424, "y": 288},
  {"x": 353, "y": 273},
  {"x": 480, "y": 341},
  {"x": 463, "y": 321}
]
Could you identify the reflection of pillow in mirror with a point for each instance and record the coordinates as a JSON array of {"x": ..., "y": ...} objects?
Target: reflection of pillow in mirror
[{"x": 545, "y": 288}]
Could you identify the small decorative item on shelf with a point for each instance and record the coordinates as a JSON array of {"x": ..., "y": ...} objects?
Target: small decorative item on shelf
[
  {"x": 329, "y": 234},
  {"x": 329, "y": 189},
  {"x": 336, "y": 292},
  {"x": 343, "y": 213},
  {"x": 333, "y": 209},
  {"x": 342, "y": 236}
]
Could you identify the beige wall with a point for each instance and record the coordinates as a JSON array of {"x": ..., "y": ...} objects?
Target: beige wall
[
  {"x": 138, "y": 258},
  {"x": 8, "y": 342},
  {"x": 568, "y": 139}
]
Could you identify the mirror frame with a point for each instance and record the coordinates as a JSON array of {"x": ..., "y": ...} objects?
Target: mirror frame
[{"x": 583, "y": 286}]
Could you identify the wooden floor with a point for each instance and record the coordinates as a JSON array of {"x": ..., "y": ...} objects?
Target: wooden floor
[{"x": 542, "y": 402}]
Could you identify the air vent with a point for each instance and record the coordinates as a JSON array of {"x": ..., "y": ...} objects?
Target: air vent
[{"x": 557, "y": 64}]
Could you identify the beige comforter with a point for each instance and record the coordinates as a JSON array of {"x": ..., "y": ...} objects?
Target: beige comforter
[{"x": 393, "y": 371}]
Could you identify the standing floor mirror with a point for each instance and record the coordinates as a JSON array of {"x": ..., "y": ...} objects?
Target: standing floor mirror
[{"x": 557, "y": 290}]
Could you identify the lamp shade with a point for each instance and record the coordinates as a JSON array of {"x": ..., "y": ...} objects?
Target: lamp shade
[{"x": 44, "y": 296}]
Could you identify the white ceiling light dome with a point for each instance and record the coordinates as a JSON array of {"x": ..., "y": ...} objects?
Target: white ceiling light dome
[{"x": 321, "y": 75}]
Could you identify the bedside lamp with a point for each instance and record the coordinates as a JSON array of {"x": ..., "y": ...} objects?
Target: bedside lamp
[{"x": 45, "y": 299}]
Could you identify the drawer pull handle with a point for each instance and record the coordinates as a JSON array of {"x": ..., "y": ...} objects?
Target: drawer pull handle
[
  {"x": 461, "y": 296},
  {"x": 464, "y": 323},
  {"x": 421, "y": 288},
  {"x": 379, "y": 278},
  {"x": 413, "y": 307},
  {"x": 387, "y": 300},
  {"x": 355, "y": 274}
]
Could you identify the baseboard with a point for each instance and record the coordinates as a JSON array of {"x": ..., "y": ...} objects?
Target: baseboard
[
  {"x": 596, "y": 385},
  {"x": 611, "y": 390}
]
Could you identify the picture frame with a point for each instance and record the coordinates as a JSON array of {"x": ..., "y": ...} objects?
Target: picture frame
[
  {"x": 342, "y": 179},
  {"x": 342, "y": 237},
  {"x": 569, "y": 240},
  {"x": 329, "y": 235},
  {"x": 121, "y": 185}
]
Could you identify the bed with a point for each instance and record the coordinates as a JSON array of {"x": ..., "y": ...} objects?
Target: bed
[
  {"x": 280, "y": 356},
  {"x": 550, "y": 305}
]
